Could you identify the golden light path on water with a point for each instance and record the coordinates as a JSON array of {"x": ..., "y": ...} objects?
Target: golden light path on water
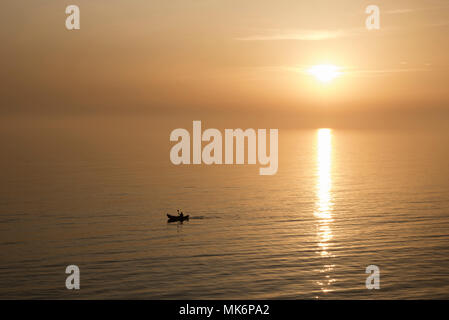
[{"x": 323, "y": 211}]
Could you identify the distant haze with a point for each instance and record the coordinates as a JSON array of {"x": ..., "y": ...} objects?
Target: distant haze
[{"x": 223, "y": 59}]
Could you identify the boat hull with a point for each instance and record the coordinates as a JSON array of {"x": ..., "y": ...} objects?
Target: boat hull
[{"x": 177, "y": 218}]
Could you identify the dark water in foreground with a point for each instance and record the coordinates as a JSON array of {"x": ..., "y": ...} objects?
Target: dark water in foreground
[{"x": 342, "y": 200}]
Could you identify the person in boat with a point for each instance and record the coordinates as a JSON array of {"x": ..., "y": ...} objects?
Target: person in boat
[{"x": 181, "y": 215}]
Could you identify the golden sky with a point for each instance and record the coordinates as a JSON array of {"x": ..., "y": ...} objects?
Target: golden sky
[{"x": 165, "y": 56}]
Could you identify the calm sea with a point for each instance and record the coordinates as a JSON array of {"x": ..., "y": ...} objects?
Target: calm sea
[{"x": 96, "y": 196}]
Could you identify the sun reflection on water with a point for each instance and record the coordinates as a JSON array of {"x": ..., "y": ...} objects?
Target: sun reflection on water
[{"x": 323, "y": 211}]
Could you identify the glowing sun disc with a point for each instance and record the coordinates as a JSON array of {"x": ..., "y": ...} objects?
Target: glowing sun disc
[{"x": 324, "y": 72}]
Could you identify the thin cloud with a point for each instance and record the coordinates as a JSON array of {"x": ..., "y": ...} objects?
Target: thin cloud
[
  {"x": 302, "y": 35},
  {"x": 351, "y": 71},
  {"x": 319, "y": 35},
  {"x": 380, "y": 72},
  {"x": 400, "y": 11},
  {"x": 410, "y": 10}
]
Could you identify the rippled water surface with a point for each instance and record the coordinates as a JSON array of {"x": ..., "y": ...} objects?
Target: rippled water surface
[{"x": 341, "y": 200}]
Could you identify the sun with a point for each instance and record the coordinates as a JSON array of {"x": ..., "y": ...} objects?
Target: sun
[{"x": 324, "y": 73}]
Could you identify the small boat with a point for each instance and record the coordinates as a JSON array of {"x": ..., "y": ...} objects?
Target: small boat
[{"x": 177, "y": 218}]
